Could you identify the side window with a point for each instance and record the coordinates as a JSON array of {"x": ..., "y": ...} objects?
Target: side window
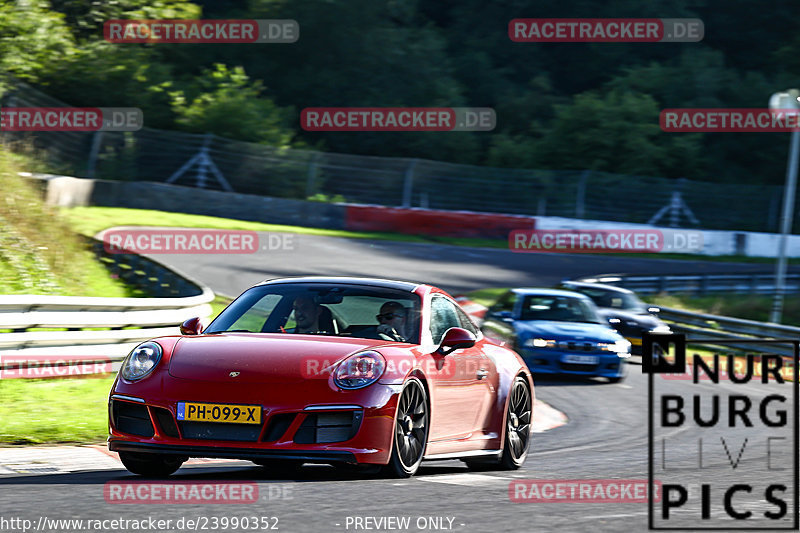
[
  {"x": 504, "y": 303},
  {"x": 444, "y": 316},
  {"x": 466, "y": 322}
]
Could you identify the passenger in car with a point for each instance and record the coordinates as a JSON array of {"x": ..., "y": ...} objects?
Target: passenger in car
[{"x": 392, "y": 318}]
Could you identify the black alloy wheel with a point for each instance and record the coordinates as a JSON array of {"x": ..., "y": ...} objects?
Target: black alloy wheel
[{"x": 410, "y": 430}]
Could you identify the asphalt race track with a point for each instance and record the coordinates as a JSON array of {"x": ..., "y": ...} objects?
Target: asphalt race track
[
  {"x": 453, "y": 268},
  {"x": 606, "y": 436}
]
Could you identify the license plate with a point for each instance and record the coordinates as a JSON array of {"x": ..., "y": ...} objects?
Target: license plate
[
  {"x": 581, "y": 359},
  {"x": 219, "y": 412}
]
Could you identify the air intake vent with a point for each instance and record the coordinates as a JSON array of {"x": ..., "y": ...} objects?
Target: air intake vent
[
  {"x": 166, "y": 422},
  {"x": 131, "y": 418},
  {"x": 321, "y": 428},
  {"x": 277, "y": 426}
]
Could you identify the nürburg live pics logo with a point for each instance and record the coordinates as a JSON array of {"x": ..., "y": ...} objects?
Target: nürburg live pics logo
[{"x": 723, "y": 444}]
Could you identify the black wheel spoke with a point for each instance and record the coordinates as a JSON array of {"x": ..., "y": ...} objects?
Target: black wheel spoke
[
  {"x": 519, "y": 418},
  {"x": 411, "y": 425}
]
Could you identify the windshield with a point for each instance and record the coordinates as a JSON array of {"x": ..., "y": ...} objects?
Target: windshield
[
  {"x": 559, "y": 308},
  {"x": 614, "y": 300},
  {"x": 340, "y": 310}
]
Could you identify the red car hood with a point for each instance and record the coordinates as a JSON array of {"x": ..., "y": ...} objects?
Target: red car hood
[{"x": 260, "y": 358}]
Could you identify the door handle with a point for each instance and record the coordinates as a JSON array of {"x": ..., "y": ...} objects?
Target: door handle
[{"x": 482, "y": 373}]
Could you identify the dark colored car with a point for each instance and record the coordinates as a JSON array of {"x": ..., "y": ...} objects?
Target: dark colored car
[
  {"x": 557, "y": 332},
  {"x": 622, "y": 309},
  {"x": 298, "y": 370}
]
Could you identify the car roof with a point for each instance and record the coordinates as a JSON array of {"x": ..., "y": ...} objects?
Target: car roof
[
  {"x": 602, "y": 286},
  {"x": 526, "y": 291},
  {"x": 371, "y": 282}
]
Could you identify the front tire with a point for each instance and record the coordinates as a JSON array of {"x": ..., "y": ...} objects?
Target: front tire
[
  {"x": 410, "y": 431},
  {"x": 150, "y": 464},
  {"x": 518, "y": 426},
  {"x": 517, "y": 431}
]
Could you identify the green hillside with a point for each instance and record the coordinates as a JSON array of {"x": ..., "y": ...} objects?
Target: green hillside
[{"x": 39, "y": 252}]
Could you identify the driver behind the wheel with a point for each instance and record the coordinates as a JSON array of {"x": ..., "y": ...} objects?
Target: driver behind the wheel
[
  {"x": 392, "y": 318},
  {"x": 306, "y": 314}
]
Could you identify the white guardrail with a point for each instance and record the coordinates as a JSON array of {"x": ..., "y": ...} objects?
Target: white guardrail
[
  {"x": 706, "y": 326},
  {"x": 729, "y": 330},
  {"x": 93, "y": 321},
  {"x": 69, "y": 331}
]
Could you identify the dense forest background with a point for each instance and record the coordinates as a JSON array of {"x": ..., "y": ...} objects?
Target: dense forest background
[{"x": 559, "y": 106}]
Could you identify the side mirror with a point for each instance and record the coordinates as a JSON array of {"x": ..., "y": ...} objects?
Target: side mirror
[
  {"x": 192, "y": 326},
  {"x": 654, "y": 310},
  {"x": 456, "y": 339}
]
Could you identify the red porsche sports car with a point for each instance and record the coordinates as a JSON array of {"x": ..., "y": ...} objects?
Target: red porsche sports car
[{"x": 324, "y": 370}]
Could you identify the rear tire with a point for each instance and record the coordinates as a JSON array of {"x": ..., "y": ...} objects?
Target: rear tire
[
  {"x": 410, "y": 431},
  {"x": 150, "y": 464}
]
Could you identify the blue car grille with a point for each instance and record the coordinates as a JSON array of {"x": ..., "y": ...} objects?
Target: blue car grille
[{"x": 578, "y": 346}]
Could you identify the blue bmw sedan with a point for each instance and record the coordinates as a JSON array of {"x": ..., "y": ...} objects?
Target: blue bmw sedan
[{"x": 557, "y": 332}]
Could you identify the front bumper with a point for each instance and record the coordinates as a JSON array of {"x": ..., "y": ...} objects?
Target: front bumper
[
  {"x": 551, "y": 362},
  {"x": 308, "y": 456},
  {"x": 304, "y": 421}
]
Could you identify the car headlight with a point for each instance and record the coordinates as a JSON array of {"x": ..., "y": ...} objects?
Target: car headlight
[
  {"x": 540, "y": 343},
  {"x": 662, "y": 328},
  {"x": 141, "y": 361},
  {"x": 622, "y": 346},
  {"x": 359, "y": 370}
]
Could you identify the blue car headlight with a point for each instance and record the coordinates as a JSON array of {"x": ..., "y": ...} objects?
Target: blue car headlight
[
  {"x": 538, "y": 342},
  {"x": 621, "y": 347}
]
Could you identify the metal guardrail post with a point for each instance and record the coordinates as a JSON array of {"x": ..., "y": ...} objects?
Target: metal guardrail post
[{"x": 703, "y": 286}]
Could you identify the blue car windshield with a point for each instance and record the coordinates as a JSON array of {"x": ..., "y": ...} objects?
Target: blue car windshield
[{"x": 558, "y": 308}]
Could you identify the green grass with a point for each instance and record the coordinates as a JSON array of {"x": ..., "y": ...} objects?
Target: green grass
[
  {"x": 91, "y": 220},
  {"x": 486, "y": 296},
  {"x": 219, "y": 303},
  {"x": 54, "y": 410},
  {"x": 746, "y": 306},
  {"x": 39, "y": 251}
]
